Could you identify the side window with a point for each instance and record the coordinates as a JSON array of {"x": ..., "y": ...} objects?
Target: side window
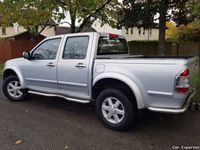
[
  {"x": 76, "y": 47},
  {"x": 47, "y": 50}
]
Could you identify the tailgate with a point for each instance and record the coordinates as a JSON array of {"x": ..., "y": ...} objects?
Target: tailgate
[{"x": 193, "y": 65}]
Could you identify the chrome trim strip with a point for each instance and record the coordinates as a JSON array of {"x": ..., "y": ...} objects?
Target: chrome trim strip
[
  {"x": 40, "y": 80},
  {"x": 54, "y": 95},
  {"x": 159, "y": 93},
  {"x": 72, "y": 84},
  {"x": 175, "y": 111}
]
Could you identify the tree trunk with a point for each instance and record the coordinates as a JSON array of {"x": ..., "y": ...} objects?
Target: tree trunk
[
  {"x": 162, "y": 27},
  {"x": 33, "y": 32},
  {"x": 73, "y": 24}
]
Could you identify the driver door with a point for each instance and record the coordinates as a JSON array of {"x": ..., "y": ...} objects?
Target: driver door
[{"x": 40, "y": 71}]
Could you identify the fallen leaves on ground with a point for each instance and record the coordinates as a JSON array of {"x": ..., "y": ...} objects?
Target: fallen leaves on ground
[
  {"x": 18, "y": 142},
  {"x": 66, "y": 147}
]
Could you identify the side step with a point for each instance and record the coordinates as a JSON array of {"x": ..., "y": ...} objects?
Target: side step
[{"x": 54, "y": 95}]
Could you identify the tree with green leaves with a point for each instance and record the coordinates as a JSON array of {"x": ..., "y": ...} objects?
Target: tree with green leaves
[
  {"x": 32, "y": 13},
  {"x": 87, "y": 11},
  {"x": 189, "y": 31},
  {"x": 194, "y": 6},
  {"x": 29, "y": 13},
  {"x": 144, "y": 12}
]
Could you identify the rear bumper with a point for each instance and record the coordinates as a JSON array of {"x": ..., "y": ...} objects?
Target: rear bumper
[{"x": 175, "y": 111}]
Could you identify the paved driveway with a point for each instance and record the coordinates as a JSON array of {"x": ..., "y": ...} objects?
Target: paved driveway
[{"x": 56, "y": 124}]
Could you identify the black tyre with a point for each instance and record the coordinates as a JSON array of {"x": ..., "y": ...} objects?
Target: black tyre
[
  {"x": 115, "y": 110},
  {"x": 12, "y": 89}
]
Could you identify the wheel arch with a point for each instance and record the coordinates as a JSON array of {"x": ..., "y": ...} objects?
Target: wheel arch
[
  {"x": 14, "y": 71},
  {"x": 106, "y": 78}
]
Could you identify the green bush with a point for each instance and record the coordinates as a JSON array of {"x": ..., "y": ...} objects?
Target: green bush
[
  {"x": 1, "y": 68},
  {"x": 198, "y": 81}
]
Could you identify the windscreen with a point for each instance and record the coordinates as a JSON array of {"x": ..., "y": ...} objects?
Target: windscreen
[{"x": 110, "y": 46}]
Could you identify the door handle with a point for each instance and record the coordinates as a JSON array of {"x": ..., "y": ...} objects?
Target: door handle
[
  {"x": 50, "y": 64},
  {"x": 81, "y": 65}
]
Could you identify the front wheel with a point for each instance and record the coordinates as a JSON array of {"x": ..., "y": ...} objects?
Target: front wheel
[
  {"x": 115, "y": 110},
  {"x": 12, "y": 89}
]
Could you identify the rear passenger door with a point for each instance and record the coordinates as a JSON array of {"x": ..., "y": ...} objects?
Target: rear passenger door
[{"x": 73, "y": 66}]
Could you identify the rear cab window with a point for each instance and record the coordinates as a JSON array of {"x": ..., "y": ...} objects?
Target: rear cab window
[
  {"x": 76, "y": 47},
  {"x": 112, "y": 44}
]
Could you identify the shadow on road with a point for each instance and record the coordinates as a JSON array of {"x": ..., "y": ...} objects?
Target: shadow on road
[
  {"x": 78, "y": 122},
  {"x": 146, "y": 119}
]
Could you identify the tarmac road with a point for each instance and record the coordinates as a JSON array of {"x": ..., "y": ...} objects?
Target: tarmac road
[{"x": 43, "y": 123}]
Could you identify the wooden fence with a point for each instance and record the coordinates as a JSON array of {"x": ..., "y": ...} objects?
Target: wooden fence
[
  {"x": 14, "y": 49},
  {"x": 172, "y": 49}
]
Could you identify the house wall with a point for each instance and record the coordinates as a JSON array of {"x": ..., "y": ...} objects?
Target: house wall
[
  {"x": 48, "y": 31},
  {"x": 106, "y": 28},
  {"x": 140, "y": 34},
  {"x": 11, "y": 32}
]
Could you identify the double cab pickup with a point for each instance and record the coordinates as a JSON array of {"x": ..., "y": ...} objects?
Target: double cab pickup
[{"x": 97, "y": 67}]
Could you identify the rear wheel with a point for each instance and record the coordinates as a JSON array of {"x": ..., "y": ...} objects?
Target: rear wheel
[
  {"x": 115, "y": 110},
  {"x": 12, "y": 89}
]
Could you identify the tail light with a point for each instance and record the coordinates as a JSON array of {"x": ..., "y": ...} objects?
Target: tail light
[
  {"x": 113, "y": 36},
  {"x": 182, "y": 82}
]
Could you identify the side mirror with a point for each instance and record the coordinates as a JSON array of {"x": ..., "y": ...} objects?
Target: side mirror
[{"x": 27, "y": 55}]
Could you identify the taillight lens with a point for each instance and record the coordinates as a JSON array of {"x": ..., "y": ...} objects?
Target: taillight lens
[
  {"x": 113, "y": 36},
  {"x": 182, "y": 82}
]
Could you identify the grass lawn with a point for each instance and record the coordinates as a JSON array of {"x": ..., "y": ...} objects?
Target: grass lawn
[
  {"x": 198, "y": 88},
  {"x": 198, "y": 81},
  {"x": 1, "y": 68}
]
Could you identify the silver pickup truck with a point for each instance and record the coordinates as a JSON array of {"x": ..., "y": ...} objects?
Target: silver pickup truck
[{"x": 97, "y": 67}]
